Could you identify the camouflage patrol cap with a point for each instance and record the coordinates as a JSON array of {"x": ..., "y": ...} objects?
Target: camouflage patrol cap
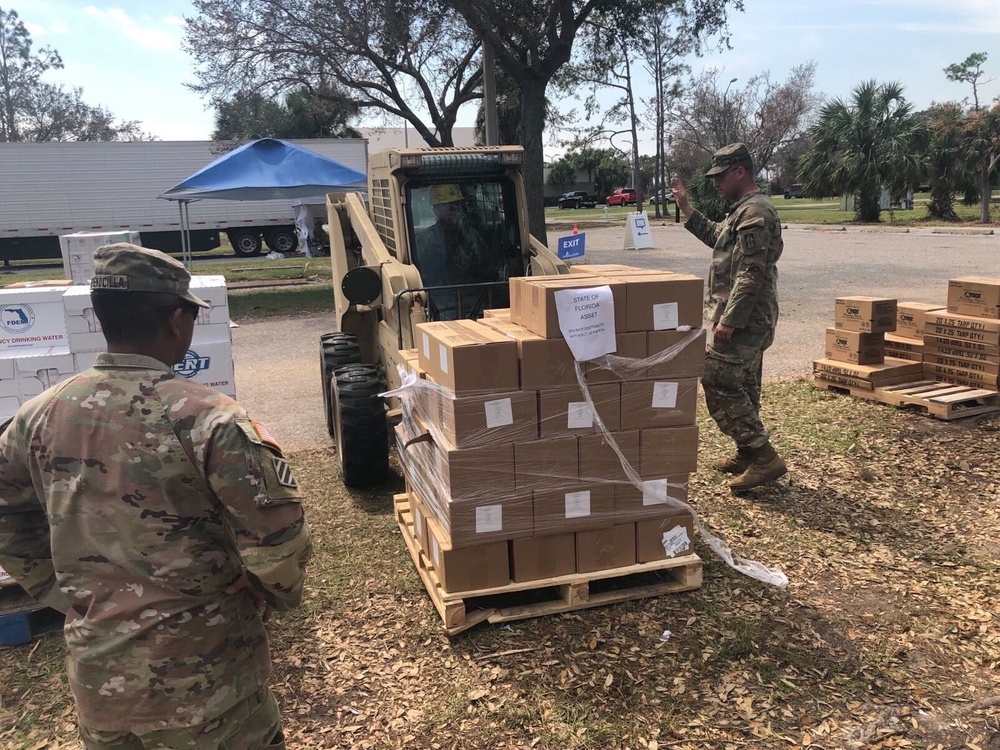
[
  {"x": 129, "y": 268},
  {"x": 733, "y": 155}
]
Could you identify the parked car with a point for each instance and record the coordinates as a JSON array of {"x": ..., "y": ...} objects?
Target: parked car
[
  {"x": 622, "y": 197},
  {"x": 577, "y": 199},
  {"x": 666, "y": 196},
  {"x": 796, "y": 191}
]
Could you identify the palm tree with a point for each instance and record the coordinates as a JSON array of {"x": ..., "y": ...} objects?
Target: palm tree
[{"x": 861, "y": 147}]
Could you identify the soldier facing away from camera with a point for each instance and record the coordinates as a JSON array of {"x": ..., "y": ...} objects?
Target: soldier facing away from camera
[
  {"x": 163, "y": 522},
  {"x": 743, "y": 294}
]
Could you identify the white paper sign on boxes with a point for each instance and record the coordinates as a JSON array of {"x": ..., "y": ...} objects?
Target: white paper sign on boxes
[{"x": 78, "y": 251}]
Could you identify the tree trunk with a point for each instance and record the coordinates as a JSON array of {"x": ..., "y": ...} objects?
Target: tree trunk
[
  {"x": 985, "y": 190},
  {"x": 530, "y": 134},
  {"x": 867, "y": 208}
]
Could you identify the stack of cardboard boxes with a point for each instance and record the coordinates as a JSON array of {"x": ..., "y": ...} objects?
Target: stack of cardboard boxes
[
  {"x": 907, "y": 342},
  {"x": 49, "y": 333},
  {"x": 855, "y": 354},
  {"x": 510, "y": 466},
  {"x": 962, "y": 344}
]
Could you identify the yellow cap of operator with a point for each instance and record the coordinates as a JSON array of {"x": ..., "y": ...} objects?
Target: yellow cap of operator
[{"x": 447, "y": 193}]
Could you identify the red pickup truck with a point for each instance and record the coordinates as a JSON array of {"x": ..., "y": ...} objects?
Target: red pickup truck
[{"x": 622, "y": 197}]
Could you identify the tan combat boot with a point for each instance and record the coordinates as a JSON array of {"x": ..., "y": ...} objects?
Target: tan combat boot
[
  {"x": 765, "y": 466},
  {"x": 736, "y": 463}
]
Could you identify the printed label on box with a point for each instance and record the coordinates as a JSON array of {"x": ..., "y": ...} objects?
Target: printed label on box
[
  {"x": 498, "y": 413},
  {"x": 436, "y": 551},
  {"x": 654, "y": 492},
  {"x": 578, "y": 504},
  {"x": 443, "y": 356},
  {"x": 665, "y": 395},
  {"x": 489, "y": 518},
  {"x": 665, "y": 316},
  {"x": 427, "y": 345},
  {"x": 676, "y": 541},
  {"x": 579, "y": 415}
]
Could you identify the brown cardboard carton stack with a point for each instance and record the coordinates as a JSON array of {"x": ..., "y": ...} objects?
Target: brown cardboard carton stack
[
  {"x": 855, "y": 354},
  {"x": 508, "y": 473},
  {"x": 962, "y": 345},
  {"x": 907, "y": 342}
]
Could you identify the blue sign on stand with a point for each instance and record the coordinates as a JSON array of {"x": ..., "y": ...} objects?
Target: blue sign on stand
[{"x": 572, "y": 246}]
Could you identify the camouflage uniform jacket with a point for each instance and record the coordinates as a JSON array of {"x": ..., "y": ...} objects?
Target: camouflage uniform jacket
[
  {"x": 743, "y": 281},
  {"x": 130, "y": 499}
]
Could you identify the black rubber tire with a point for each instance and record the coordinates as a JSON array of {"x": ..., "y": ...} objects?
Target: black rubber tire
[
  {"x": 361, "y": 432},
  {"x": 336, "y": 350},
  {"x": 282, "y": 240},
  {"x": 246, "y": 242}
]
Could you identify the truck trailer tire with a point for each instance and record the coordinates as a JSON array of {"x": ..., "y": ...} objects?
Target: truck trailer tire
[
  {"x": 246, "y": 242},
  {"x": 282, "y": 240},
  {"x": 359, "y": 420},
  {"x": 336, "y": 350}
]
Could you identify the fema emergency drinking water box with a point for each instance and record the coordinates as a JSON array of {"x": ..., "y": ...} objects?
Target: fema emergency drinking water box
[
  {"x": 78, "y": 251},
  {"x": 210, "y": 364},
  {"x": 39, "y": 372},
  {"x": 32, "y": 319}
]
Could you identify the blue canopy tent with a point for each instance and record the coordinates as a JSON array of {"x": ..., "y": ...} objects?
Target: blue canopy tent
[{"x": 265, "y": 169}]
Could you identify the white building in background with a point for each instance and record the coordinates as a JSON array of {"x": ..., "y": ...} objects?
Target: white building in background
[{"x": 380, "y": 139}]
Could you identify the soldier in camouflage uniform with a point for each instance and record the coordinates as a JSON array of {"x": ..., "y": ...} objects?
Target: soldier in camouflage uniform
[
  {"x": 161, "y": 519},
  {"x": 743, "y": 296}
]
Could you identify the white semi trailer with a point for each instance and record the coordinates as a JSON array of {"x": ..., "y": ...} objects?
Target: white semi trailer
[{"x": 51, "y": 189}]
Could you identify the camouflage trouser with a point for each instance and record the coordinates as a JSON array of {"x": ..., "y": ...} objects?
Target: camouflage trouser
[
  {"x": 732, "y": 384},
  {"x": 252, "y": 724}
]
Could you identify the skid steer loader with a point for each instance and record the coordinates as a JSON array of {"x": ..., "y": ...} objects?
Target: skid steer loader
[{"x": 440, "y": 235}]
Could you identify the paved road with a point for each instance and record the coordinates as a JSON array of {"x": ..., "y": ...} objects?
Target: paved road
[{"x": 277, "y": 362}]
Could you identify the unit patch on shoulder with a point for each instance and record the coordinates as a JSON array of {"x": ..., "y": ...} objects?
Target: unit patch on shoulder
[
  {"x": 286, "y": 477},
  {"x": 265, "y": 435}
]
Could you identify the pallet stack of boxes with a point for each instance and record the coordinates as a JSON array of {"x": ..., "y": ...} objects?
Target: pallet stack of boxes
[
  {"x": 49, "y": 332},
  {"x": 907, "y": 341},
  {"x": 855, "y": 354},
  {"x": 962, "y": 344},
  {"x": 509, "y": 477}
]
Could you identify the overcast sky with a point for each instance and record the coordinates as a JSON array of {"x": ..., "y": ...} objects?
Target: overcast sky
[{"x": 127, "y": 55}]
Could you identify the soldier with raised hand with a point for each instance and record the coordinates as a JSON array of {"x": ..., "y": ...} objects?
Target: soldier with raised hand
[
  {"x": 743, "y": 294},
  {"x": 162, "y": 520}
]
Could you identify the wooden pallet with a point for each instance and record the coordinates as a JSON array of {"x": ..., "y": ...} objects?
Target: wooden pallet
[
  {"x": 22, "y": 618},
  {"x": 941, "y": 400},
  {"x": 520, "y": 601}
]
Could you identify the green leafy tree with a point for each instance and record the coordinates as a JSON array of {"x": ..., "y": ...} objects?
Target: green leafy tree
[
  {"x": 982, "y": 127},
  {"x": 872, "y": 142},
  {"x": 951, "y": 166},
  {"x": 562, "y": 172},
  {"x": 301, "y": 114}
]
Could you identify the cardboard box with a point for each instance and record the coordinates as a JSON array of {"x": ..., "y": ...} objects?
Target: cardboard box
[
  {"x": 37, "y": 373},
  {"x": 211, "y": 289},
  {"x": 31, "y": 319},
  {"x": 584, "y": 506},
  {"x": 659, "y": 403},
  {"x": 210, "y": 364},
  {"x": 605, "y": 549},
  {"x": 653, "y": 500},
  {"x": 670, "y": 450},
  {"x": 609, "y": 269},
  {"x": 467, "y": 421},
  {"x": 961, "y": 376},
  {"x": 662, "y": 302},
  {"x": 419, "y": 514},
  {"x": 542, "y": 557},
  {"x": 78, "y": 251},
  {"x": 984, "y": 366},
  {"x": 546, "y": 464},
  {"x": 500, "y": 313},
  {"x": 484, "y": 566},
  {"x": 599, "y": 462},
  {"x": 687, "y": 362},
  {"x": 464, "y": 355},
  {"x": 960, "y": 348},
  {"x": 974, "y": 295},
  {"x": 911, "y": 316},
  {"x": 565, "y": 411},
  {"x": 542, "y": 363},
  {"x": 963, "y": 327},
  {"x": 533, "y": 302},
  {"x": 664, "y": 538},
  {"x": 487, "y": 518},
  {"x": 443, "y": 473},
  {"x": 868, "y": 377},
  {"x": 10, "y": 392},
  {"x": 628, "y": 345},
  {"x": 854, "y": 347},
  {"x": 865, "y": 314},
  {"x": 904, "y": 348}
]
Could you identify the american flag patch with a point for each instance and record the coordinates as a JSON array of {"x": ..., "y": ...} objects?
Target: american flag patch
[
  {"x": 286, "y": 478},
  {"x": 265, "y": 435}
]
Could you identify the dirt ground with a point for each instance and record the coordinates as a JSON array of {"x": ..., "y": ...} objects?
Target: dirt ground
[{"x": 277, "y": 361}]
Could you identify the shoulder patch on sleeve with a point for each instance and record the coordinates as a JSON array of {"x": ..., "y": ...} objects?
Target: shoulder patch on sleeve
[{"x": 265, "y": 435}]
